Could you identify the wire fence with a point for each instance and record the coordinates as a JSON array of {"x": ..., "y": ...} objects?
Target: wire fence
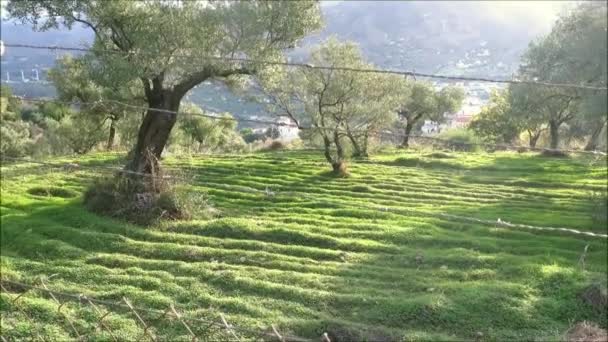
[
  {"x": 151, "y": 322},
  {"x": 320, "y": 67},
  {"x": 377, "y": 133}
]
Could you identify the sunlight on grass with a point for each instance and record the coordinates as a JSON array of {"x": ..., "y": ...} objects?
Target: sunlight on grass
[{"x": 323, "y": 254}]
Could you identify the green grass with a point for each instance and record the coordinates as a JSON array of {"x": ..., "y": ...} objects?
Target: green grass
[{"x": 318, "y": 255}]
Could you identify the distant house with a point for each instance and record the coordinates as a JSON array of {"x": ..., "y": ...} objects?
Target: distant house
[
  {"x": 287, "y": 133},
  {"x": 460, "y": 119},
  {"x": 429, "y": 127}
]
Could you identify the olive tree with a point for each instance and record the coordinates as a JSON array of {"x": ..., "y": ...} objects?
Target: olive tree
[
  {"x": 172, "y": 46},
  {"x": 495, "y": 123},
  {"x": 338, "y": 105},
  {"x": 210, "y": 134},
  {"x": 427, "y": 103},
  {"x": 75, "y": 81},
  {"x": 574, "y": 52}
]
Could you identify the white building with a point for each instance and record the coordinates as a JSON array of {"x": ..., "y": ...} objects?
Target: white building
[
  {"x": 287, "y": 133},
  {"x": 429, "y": 127}
]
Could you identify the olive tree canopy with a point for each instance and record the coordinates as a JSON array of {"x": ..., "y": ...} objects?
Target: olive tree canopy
[{"x": 172, "y": 46}]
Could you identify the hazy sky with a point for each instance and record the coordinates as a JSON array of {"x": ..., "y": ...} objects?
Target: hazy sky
[{"x": 543, "y": 13}]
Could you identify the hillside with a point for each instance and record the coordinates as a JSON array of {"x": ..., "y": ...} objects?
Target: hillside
[
  {"x": 369, "y": 256},
  {"x": 456, "y": 38}
]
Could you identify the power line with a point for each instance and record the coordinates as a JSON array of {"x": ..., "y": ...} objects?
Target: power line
[
  {"x": 299, "y": 127},
  {"x": 340, "y": 68},
  {"x": 156, "y": 110}
]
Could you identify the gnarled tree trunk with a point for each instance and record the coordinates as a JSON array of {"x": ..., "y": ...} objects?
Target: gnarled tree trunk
[
  {"x": 533, "y": 136},
  {"x": 360, "y": 149},
  {"x": 154, "y": 131},
  {"x": 554, "y": 132},
  {"x": 112, "y": 135},
  {"x": 338, "y": 164},
  {"x": 593, "y": 139},
  {"x": 409, "y": 126}
]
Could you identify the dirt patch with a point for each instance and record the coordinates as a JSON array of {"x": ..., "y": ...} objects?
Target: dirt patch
[
  {"x": 586, "y": 332},
  {"x": 361, "y": 188},
  {"x": 341, "y": 333},
  {"x": 439, "y": 155},
  {"x": 596, "y": 295},
  {"x": 554, "y": 154},
  {"x": 52, "y": 192}
]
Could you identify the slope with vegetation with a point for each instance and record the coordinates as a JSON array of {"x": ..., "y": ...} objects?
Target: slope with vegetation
[{"x": 363, "y": 257}]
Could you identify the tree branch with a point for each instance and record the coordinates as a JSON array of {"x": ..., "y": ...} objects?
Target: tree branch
[{"x": 200, "y": 76}]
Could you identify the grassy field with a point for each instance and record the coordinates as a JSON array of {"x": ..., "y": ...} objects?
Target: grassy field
[{"x": 364, "y": 257}]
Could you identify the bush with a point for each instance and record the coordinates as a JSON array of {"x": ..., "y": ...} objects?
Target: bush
[
  {"x": 52, "y": 192},
  {"x": 250, "y": 136},
  {"x": 79, "y": 134},
  {"x": 439, "y": 155},
  {"x": 15, "y": 139},
  {"x": 275, "y": 145},
  {"x": 460, "y": 139},
  {"x": 554, "y": 154},
  {"x": 141, "y": 202}
]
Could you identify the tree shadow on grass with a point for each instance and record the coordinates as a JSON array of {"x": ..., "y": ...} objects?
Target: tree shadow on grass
[{"x": 384, "y": 277}]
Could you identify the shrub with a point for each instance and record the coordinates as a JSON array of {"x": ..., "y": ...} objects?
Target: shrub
[
  {"x": 16, "y": 140},
  {"x": 439, "y": 155},
  {"x": 52, "y": 192},
  {"x": 460, "y": 140},
  {"x": 275, "y": 145},
  {"x": 554, "y": 154},
  {"x": 78, "y": 134},
  {"x": 250, "y": 136},
  {"x": 141, "y": 202}
]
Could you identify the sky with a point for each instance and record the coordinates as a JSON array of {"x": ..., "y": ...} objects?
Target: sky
[
  {"x": 542, "y": 14},
  {"x": 545, "y": 11}
]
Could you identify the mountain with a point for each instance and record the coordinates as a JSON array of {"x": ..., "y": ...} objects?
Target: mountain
[{"x": 455, "y": 38}]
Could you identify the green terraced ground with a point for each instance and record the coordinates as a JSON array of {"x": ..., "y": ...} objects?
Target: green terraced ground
[{"x": 361, "y": 257}]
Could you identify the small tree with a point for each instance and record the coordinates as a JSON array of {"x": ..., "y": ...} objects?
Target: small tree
[
  {"x": 75, "y": 80},
  {"x": 495, "y": 123},
  {"x": 551, "y": 106},
  {"x": 426, "y": 103},
  {"x": 210, "y": 134},
  {"x": 15, "y": 137},
  {"x": 378, "y": 110},
  {"x": 335, "y": 104},
  {"x": 575, "y": 52},
  {"x": 74, "y": 134}
]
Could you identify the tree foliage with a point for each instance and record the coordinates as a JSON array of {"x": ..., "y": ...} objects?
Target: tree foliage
[
  {"x": 172, "y": 46},
  {"x": 76, "y": 80},
  {"x": 339, "y": 105},
  {"x": 496, "y": 122},
  {"x": 427, "y": 103},
  {"x": 211, "y": 134},
  {"x": 573, "y": 52}
]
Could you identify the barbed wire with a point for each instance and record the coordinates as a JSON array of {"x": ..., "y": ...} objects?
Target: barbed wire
[
  {"x": 305, "y": 128},
  {"x": 136, "y": 310},
  {"x": 268, "y": 192},
  {"x": 319, "y": 67}
]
